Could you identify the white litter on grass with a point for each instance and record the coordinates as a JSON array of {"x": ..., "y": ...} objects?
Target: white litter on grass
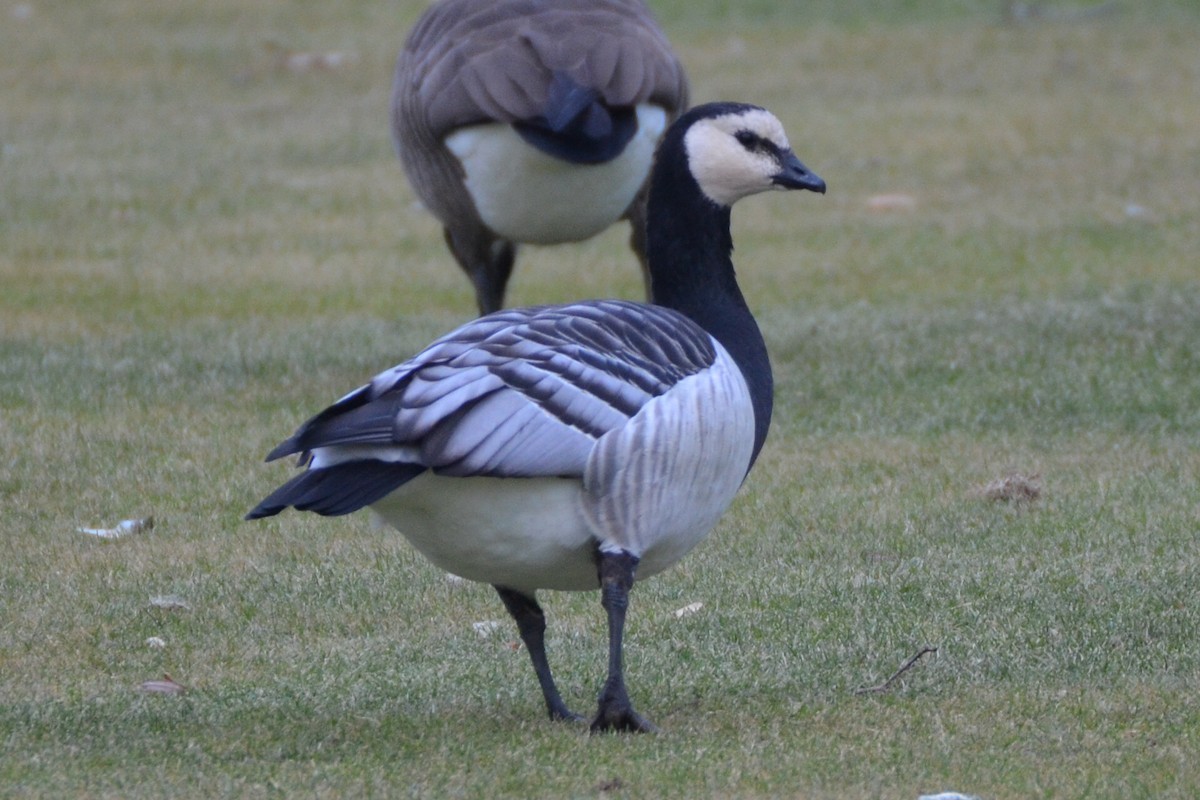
[
  {"x": 688, "y": 610},
  {"x": 308, "y": 61},
  {"x": 947, "y": 796},
  {"x": 156, "y": 642},
  {"x": 895, "y": 201},
  {"x": 486, "y": 628},
  {"x": 122, "y": 528},
  {"x": 171, "y": 602},
  {"x": 304, "y": 62}
]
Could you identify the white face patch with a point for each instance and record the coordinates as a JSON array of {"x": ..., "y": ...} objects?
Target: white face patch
[{"x": 725, "y": 170}]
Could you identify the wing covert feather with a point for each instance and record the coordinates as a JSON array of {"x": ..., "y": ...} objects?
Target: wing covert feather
[
  {"x": 474, "y": 62},
  {"x": 520, "y": 393}
]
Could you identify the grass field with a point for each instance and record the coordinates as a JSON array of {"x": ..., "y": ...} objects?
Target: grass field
[{"x": 205, "y": 237}]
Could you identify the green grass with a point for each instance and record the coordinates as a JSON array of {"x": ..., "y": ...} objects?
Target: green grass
[{"x": 200, "y": 247}]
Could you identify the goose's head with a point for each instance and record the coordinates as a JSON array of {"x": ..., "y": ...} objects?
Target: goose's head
[{"x": 735, "y": 150}]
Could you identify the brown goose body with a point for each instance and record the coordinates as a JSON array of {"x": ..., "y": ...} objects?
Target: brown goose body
[{"x": 532, "y": 121}]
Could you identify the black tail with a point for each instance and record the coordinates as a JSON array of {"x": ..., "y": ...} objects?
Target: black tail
[
  {"x": 578, "y": 126},
  {"x": 339, "y": 489}
]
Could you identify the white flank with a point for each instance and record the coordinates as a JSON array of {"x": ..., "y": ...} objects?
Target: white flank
[
  {"x": 654, "y": 487},
  {"x": 523, "y": 533},
  {"x": 526, "y": 196},
  {"x": 658, "y": 485}
]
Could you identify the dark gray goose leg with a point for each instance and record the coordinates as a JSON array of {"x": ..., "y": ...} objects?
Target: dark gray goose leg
[
  {"x": 488, "y": 262},
  {"x": 616, "y": 712},
  {"x": 531, "y": 623},
  {"x": 636, "y": 214}
]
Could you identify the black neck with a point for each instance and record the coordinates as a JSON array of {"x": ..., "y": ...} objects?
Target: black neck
[{"x": 689, "y": 249}]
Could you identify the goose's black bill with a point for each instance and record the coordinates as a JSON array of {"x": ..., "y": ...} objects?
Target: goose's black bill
[{"x": 794, "y": 175}]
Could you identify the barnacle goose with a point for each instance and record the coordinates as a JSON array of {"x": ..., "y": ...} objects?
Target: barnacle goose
[
  {"x": 532, "y": 121},
  {"x": 575, "y": 447}
]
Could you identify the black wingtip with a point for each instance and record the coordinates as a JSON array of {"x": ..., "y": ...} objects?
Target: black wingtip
[
  {"x": 283, "y": 497},
  {"x": 577, "y": 125},
  {"x": 261, "y": 511},
  {"x": 285, "y": 448},
  {"x": 337, "y": 490},
  {"x": 567, "y": 100}
]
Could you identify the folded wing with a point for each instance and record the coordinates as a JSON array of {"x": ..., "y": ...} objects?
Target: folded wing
[{"x": 520, "y": 394}]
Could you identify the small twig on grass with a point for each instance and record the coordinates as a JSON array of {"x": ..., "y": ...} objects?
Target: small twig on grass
[{"x": 905, "y": 667}]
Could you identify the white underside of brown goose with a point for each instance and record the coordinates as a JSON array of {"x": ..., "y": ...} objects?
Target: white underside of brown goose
[{"x": 525, "y": 195}]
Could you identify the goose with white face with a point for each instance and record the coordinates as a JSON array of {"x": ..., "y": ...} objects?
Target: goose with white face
[
  {"x": 739, "y": 154},
  {"x": 584, "y": 446}
]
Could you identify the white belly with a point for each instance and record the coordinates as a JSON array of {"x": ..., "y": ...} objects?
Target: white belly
[
  {"x": 516, "y": 532},
  {"x": 527, "y": 196},
  {"x": 654, "y": 488}
]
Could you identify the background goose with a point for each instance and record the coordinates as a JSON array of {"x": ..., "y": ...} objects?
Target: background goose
[
  {"x": 532, "y": 121},
  {"x": 574, "y": 447}
]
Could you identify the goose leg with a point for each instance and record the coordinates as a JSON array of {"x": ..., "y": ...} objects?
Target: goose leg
[
  {"x": 531, "y": 623},
  {"x": 488, "y": 262},
  {"x": 616, "y": 712},
  {"x": 636, "y": 214}
]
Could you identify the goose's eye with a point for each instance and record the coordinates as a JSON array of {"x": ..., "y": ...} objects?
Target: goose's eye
[{"x": 748, "y": 140}]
